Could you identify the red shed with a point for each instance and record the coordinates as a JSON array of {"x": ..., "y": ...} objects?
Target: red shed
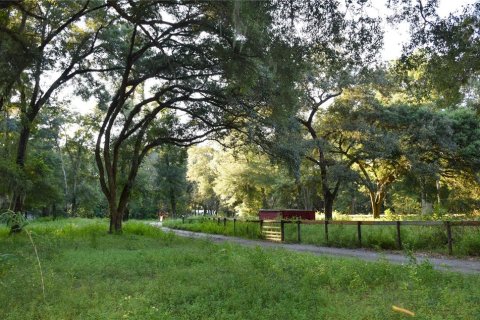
[{"x": 273, "y": 214}]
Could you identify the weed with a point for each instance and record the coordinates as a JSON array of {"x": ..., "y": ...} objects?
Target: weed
[
  {"x": 40, "y": 270},
  {"x": 17, "y": 222}
]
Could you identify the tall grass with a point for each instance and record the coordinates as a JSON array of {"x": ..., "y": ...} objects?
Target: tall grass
[
  {"x": 250, "y": 230},
  {"x": 466, "y": 240},
  {"x": 148, "y": 274}
]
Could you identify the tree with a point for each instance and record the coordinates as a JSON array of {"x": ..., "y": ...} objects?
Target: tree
[
  {"x": 83, "y": 192},
  {"x": 202, "y": 65},
  {"x": 441, "y": 64},
  {"x": 42, "y": 37},
  {"x": 202, "y": 172},
  {"x": 42, "y": 177},
  {"x": 344, "y": 42},
  {"x": 248, "y": 181},
  {"x": 443, "y": 51},
  {"x": 172, "y": 182},
  {"x": 385, "y": 142}
]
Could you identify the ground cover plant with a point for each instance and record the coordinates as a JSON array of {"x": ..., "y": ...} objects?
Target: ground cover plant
[
  {"x": 431, "y": 239},
  {"x": 148, "y": 274}
]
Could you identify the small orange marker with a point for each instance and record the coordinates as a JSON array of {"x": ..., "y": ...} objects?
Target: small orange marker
[{"x": 405, "y": 311}]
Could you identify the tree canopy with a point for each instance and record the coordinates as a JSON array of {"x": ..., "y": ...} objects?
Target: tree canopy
[{"x": 225, "y": 107}]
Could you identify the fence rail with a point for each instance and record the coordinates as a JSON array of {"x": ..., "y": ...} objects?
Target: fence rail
[{"x": 271, "y": 233}]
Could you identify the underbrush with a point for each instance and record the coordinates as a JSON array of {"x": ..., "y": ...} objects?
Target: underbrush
[{"x": 148, "y": 274}]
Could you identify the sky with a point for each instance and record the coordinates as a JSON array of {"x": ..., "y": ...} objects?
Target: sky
[{"x": 394, "y": 38}]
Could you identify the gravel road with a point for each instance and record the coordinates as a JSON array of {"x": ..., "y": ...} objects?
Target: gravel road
[{"x": 445, "y": 264}]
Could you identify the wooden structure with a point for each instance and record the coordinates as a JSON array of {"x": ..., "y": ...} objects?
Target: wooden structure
[
  {"x": 277, "y": 214},
  {"x": 274, "y": 230},
  {"x": 271, "y": 230}
]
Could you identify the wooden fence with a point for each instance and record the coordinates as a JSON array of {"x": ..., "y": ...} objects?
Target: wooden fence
[{"x": 270, "y": 232}]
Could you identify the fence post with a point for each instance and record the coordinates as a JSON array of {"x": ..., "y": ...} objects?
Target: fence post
[
  {"x": 183, "y": 219},
  {"x": 218, "y": 220},
  {"x": 234, "y": 226},
  {"x": 261, "y": 225},
  {"x": 359, "y": 232},
  {"x": 449, "y": 237},
  {"x": 326, "y": 231},
  {"x": 399, "y": 239},
  {"x": 282, "y": 230},
  {"x": 224, "y": 221},
  {"x": 299, "y": 237}
]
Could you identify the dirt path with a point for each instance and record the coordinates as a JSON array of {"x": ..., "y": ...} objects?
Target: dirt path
[{"x": 445, "y": 264}]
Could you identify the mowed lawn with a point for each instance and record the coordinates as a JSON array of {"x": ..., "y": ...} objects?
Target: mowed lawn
[{"x": 148, "y": 274}]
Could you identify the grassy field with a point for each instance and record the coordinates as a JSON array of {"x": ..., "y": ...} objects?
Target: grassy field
[
  {"x": 418, "y": 238},
  {"x": 148, "y": 274}
]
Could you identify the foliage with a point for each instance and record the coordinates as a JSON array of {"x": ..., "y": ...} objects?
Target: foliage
[
  {"x": 251, "y": 182},
  {"x": 202, "y": 173},
  {"x": 192, "y": 80},
  {"x": 13, "y": 219},
  {"x": 292, "y": 91},
  {"x": 409, "y": 148},
  {"x": 442, "y": 51},
  {"x": 332, "y": 64},
  {"x": 172, "y": 180},
  {"x": 49, "y": 37},
  {"x": 240, "y": 181}
]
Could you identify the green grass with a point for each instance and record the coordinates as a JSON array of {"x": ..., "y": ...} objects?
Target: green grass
[
  {"x": 148, "y": 274},
  {"x": 418, "y": 238},
  {"x": 250, "y": 230}
]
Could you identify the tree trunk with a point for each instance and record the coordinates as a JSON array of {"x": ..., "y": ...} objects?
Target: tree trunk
[
  {"x": 74, "y": 204},
  {"x": 54, "y": 211},
  {"x": 173, "y": 202},
  {"x": 18, "y": 201},
  {"x": 264, "y": 198},
  {"x": 437, "y": 185},
  {"x": 64, "y": 173},
  {"x": 126, "y": 215},
  {"x": 116, "y": 217},
  {"x": 116, "y": 224},
  {"x": 376, "y": 201},
  {"x": 328, "y": 198},
  {"x": 5, "y": 131},
  {"x": 427, "y": 207},
  {"x": 19, "y": 194},
  {"x": 376, "y": 209},
  {"x": 304, "y": 197},
  {"x": 328, "y": 195}
]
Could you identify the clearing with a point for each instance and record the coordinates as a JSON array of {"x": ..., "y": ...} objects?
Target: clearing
[{"x": 446, "y": 264}]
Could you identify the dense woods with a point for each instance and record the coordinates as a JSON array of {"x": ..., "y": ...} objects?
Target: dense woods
[{"x": 225, "y": 107}]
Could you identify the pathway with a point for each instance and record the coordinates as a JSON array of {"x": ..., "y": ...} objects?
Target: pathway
[{"x": 446, "y": 264}]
